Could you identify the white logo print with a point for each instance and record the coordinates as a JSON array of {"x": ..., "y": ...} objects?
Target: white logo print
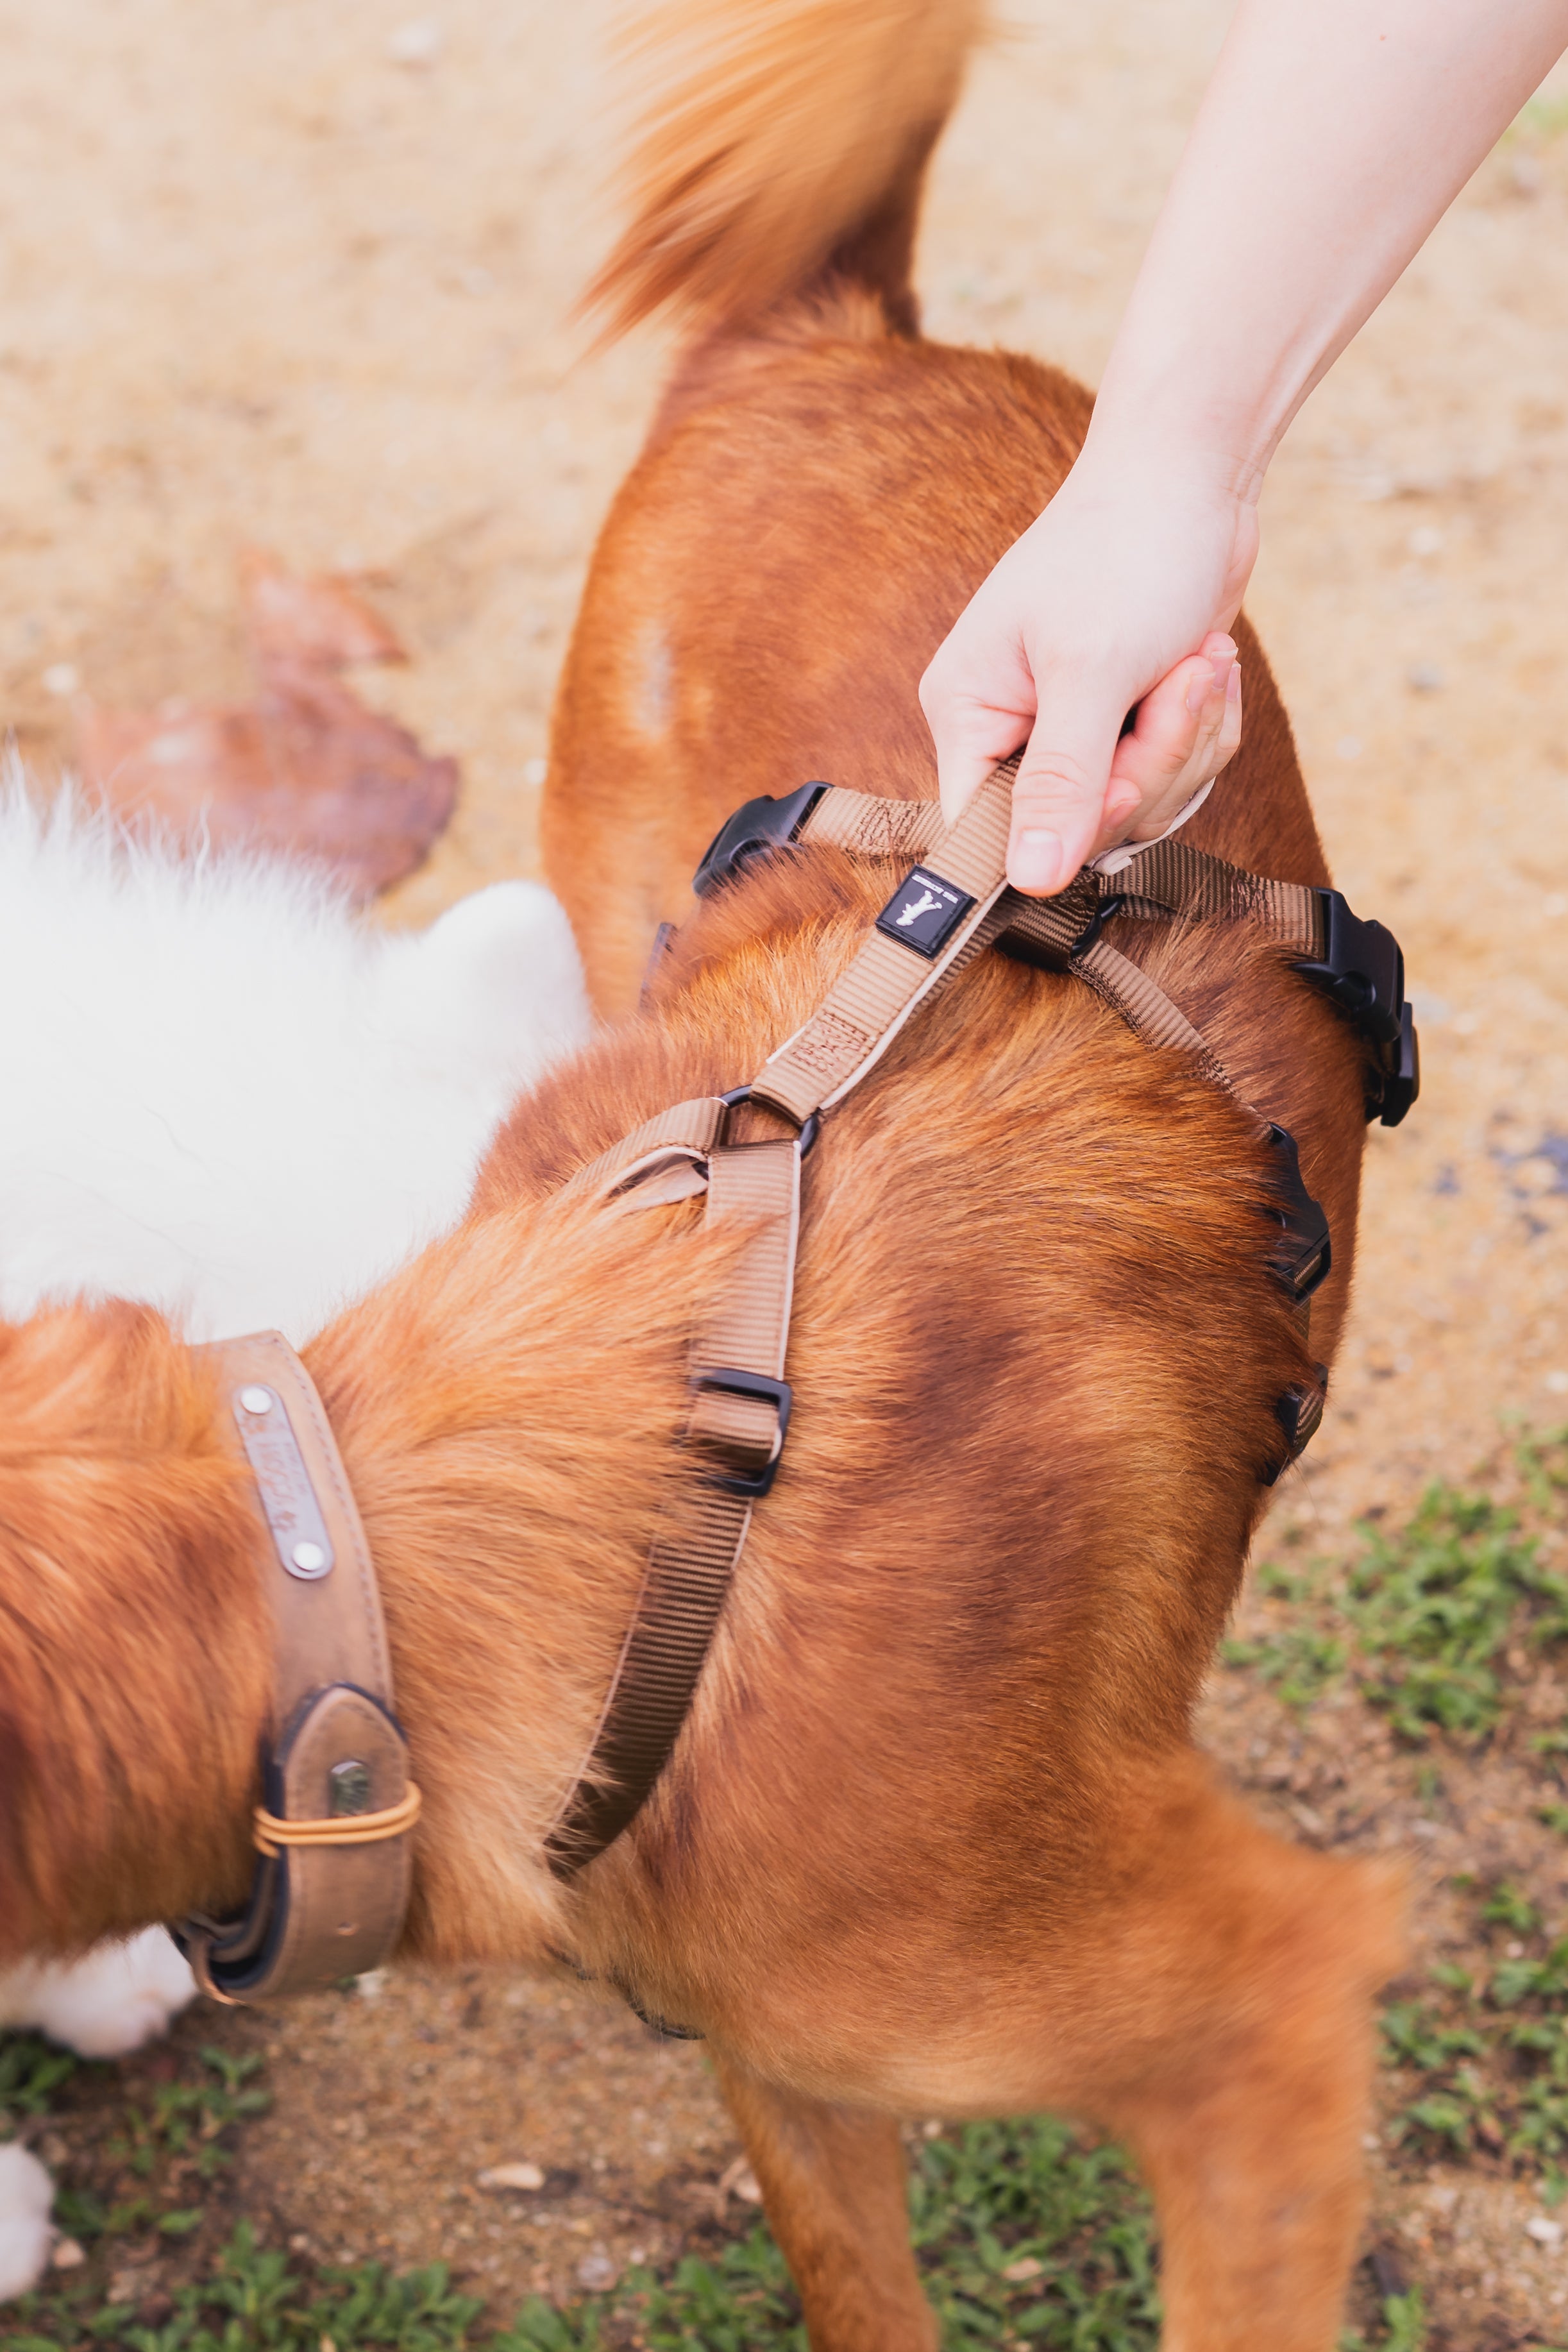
[{"x": 925, "y": 905}]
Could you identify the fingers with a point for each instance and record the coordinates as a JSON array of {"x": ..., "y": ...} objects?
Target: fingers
[
  {"x": 1186, "y": 727},
  {"x": 973, "y": 730}
]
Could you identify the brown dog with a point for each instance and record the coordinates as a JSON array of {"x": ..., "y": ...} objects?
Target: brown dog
[{"x": 935, "y": 1838}]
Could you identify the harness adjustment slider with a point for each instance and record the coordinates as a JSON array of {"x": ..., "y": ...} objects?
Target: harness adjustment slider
[
  {"x": 1300, "y": 1413},
  {"x": 726, "y": 1380},
  {"x": 756, "y": 828},
  {"x": 1303, "y": 1253}
]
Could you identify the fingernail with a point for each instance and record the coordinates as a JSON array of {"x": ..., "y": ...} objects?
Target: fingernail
[
  {"x": 1233, "y": 683},
  {"x": 1035, "y": 862},
  {"x": 1120, "y": 805}
]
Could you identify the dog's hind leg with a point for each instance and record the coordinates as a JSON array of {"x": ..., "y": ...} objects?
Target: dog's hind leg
[
  {"x": 833, "y": 2183},
  {"x": 1223, "y": 2026}
]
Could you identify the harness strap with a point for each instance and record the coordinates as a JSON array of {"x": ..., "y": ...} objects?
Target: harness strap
[
  {"x": 687, "y": 1130},
  {"x": 1172, "y": 877},
  {"x": 929, "y": 931},
  {"x": 868, "y": 826},
  {"x": 331, "y": 1882},
  {"x": 735, "y": 1430}
]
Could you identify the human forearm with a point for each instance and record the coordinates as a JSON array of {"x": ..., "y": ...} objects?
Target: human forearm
[{"x": 1332, "y": 136}]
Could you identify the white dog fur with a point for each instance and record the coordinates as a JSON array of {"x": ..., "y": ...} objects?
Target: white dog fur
[{"x": 223, "y": 1093}]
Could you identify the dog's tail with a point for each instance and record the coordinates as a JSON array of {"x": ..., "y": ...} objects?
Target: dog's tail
[{"x": 788, "y": 143}]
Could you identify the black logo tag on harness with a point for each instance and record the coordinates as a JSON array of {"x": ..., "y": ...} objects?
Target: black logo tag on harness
[{"x": 924, "y": 913}]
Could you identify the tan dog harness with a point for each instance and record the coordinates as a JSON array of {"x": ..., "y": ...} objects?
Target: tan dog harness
[
  {"x": 331, "y": 1882},
  {"x": 943, "y": 915},
  {"x": 332, "y": 1876}
]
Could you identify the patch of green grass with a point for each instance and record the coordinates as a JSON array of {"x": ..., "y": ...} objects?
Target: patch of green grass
[
  {"x": 253, "y": 2300},
  {"x": 1432, "y": 1607},
  {"x": 187, "y": 2119},
  {"x": 1405, "y": 2323},
  {"x": 1421, "y": 1617},
  {"x": 1299, "y": 1662},
  {"x": 31, "y": 2071},
  {"x": 1490, "y": 2062},
  {"x": 1024, "y": 2235}
]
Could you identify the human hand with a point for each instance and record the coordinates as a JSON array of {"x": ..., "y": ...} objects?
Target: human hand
[{"x": 1115, "y": 597}]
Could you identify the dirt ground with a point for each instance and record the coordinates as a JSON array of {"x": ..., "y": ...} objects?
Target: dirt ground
[{"x": 303, "y": 277}]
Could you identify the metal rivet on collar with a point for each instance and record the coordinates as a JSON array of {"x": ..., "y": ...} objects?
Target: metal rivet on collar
[
  {"x": 309, "y": 1558},
  {"x": 256, "y": 1400},
  {"x": 348, "y": 1788}
]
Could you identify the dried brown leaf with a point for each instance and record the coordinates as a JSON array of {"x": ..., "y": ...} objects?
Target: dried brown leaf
[{"x": 307, "y": 767}]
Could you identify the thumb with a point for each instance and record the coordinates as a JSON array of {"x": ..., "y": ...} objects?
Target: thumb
[{"x": 1059, "y": 798}]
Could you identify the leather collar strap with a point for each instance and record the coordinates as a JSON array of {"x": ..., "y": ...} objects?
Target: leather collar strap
[{"x": 331, "y": 1882}]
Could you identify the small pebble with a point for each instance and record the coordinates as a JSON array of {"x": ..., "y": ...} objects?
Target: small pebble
[
  {"x": 596, "y": 2271},
  {"x": 1544, "y": 2232},
  {"x": 1028, "y": 2268},
  {"x": 1425, "y": 540},
  {"x": 511, "y": 2176},
  {"x": 1557, "y": 1382},
  {"x": 61, "y": 678},
  {"x": 1424, "y": 677},
  {"x": 67, "y": 2255}
]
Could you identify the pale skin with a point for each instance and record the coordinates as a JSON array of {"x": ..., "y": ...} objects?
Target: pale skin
[{"x": 1332, "y": 136}]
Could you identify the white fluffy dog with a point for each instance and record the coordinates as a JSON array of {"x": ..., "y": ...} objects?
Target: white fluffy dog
[{"x": 222, "y": 1094}]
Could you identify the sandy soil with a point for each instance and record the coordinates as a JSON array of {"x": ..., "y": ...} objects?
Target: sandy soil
[{"x": 303, "y": 277}]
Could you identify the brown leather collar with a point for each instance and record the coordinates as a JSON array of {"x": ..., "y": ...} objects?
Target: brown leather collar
[{"x": 331, "y": 1883}]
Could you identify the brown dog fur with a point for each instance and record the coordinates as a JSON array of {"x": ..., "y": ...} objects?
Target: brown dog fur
[{"x": 935, "y": 1838}]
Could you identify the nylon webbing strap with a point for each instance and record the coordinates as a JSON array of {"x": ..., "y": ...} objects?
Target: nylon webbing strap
[
  {"x": 686, "y": 1130},
  {"x": 736, "y": 1436},
  {"x": 1143, "y": 1003},
  {"x": 870, "y": 828},
  {"x": 1171, "y": 878},
  {"x": 869, "y": 1004}
]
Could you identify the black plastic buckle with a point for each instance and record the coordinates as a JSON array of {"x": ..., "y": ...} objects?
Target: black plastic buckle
[
  {"x": 778, "y": 1393},
  {"x": 755, "y": 828},
  {"x": 1302, "y": 1256},
  {"x": 1362, "y": 970},
  {"x": 1362, "y": 973}
]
